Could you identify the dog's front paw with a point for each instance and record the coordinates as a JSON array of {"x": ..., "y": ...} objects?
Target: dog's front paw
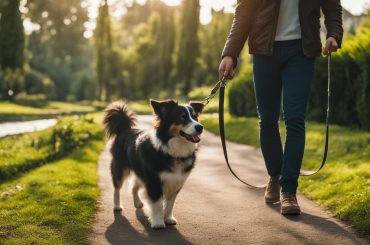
[
  {"x": 117, "y": 208},
  {"x": 157, "y": 226},
  {"x": 171, "y": 221}
]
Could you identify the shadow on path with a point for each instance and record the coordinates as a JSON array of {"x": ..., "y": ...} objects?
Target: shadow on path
[{"x": 122, "y": 232}]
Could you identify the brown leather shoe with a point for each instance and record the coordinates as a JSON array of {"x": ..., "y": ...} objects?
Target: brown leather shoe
[
  {"x": 272, "y": 193},
  {"x": 289, "y": 204}
]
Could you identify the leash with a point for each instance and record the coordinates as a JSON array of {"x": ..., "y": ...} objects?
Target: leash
[{"x": 220, "y": 85}]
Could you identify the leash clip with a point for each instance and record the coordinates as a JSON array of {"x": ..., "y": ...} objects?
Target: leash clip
[{"x": 223, "y": 82}]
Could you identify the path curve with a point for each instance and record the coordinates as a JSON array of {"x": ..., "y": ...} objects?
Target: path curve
[{"x": 214, "y": 208}]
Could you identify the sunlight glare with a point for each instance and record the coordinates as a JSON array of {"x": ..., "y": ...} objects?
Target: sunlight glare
[{"x": 172, "y": 2}]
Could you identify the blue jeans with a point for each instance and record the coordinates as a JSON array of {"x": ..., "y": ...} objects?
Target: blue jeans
[{"x": 287, "y": 74}]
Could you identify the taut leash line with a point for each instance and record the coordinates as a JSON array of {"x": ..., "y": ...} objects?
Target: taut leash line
[{"x": 220, "y": 85}]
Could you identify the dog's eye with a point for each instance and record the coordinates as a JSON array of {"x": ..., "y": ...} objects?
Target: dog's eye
[{"x": 183, "y": 116}]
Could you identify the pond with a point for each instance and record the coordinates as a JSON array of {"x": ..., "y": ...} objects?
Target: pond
[{"x": 12, "y": 128}]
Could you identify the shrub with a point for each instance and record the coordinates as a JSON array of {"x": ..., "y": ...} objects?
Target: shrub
[
  {"x": 241, "y": 96},
  {"x": 200, "y": 93},
  {"x": 35, "y": 100},
  {"x": 38, "y": 83},
  {"x": 350, "y": 87}
]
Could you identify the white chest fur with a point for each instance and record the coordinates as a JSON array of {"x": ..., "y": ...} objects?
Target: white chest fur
[{"x": 173, "y": 181}]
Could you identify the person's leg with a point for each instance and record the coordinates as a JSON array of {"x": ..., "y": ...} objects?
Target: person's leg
[
  {"x": 267, "y": 83},
  {"x": 297, "y": 74}
]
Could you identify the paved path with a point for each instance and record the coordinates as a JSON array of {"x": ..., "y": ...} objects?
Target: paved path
[{"x": 213, "y": 208}]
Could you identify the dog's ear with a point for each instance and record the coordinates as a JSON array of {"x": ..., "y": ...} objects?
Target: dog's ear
[
  {"x": 198, "y": 106},
  {"x": 162, "y": 107}
]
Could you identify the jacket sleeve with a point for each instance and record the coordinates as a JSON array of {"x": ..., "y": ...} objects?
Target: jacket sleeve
[
  {"x": 242, "y": 22},
  {"x": 332, "y": 10}
]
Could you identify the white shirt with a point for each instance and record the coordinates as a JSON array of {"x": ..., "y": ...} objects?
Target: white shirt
[{"x": 288, "y": 27}]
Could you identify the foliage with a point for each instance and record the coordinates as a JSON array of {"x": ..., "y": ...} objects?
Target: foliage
[
  {"x": 350, "y": 86},
  {"x": 11, "y": 83},
  {"x": 57, "y": 46},
  {"x": 343, "y": 185},
  {"x": 35, "y": 100},
  {"x": 212, "y": 39},
  {"x": 188, "y": 49},
  {"x": 104, "y": 50},
  {"x": 38, "y": 83},
  {"x": 21, "y": 153},
  {"x": 53, "y": 204},
  {"x": 241, "y": 97},
  {"x": 12, "y": 36},
  {"x": 148, "y": 51},
  {"x": 199, "y": 93}
]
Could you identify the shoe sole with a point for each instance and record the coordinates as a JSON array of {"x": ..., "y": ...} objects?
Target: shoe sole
[
  {"x": 272, "y": 200},
  {"x": 291, "y": 212}
]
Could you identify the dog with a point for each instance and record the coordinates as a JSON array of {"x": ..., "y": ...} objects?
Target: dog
[{"x": 160, "y": 159}]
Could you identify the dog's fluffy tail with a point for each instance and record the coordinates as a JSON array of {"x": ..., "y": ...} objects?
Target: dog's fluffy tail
[{"x": 118, "y": 118}]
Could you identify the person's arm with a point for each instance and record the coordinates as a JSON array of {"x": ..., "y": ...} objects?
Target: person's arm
[
  {"x": 242, "y": 22},
  {"x": 332, "y": 10}
]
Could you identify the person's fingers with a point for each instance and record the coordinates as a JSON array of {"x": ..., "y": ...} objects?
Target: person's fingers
[
  {"x": 327, "y": 48},
  {"x": 226, "y": 69},
  {"x": 231, "y": 74},
  {"x": 221, "y": 70},
  {"x": 331, "y": 46}
]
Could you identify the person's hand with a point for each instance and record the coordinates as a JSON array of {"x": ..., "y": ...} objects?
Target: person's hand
[
  {"x": 331, "y": 46},
  {"x": 226, "y": 68}
]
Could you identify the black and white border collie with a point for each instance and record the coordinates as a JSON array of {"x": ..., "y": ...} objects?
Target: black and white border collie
[{"x": 160, "y": 160}]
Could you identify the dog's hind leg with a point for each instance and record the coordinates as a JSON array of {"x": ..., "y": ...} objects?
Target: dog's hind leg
[
  {"x": 135, "y": 193},
  {"x": 169, "y": 219},
  {"x": 118, "y": 177}
]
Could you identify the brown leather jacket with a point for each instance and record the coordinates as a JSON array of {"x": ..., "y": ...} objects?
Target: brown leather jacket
[{"x": 257, "y": 19}]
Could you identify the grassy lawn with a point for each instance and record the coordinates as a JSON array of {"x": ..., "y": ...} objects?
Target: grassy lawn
[
  {"x": 21, "y": 153},
  {"x": 14, "y": 112},
  {"x": 53, "y": 204},
  {"x": 343, "y": 185}
]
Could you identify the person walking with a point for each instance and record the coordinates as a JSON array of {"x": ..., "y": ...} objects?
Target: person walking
[{"x": 284, "y": 40}]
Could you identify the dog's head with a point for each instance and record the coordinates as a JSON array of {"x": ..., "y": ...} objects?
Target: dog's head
[{"x": 174, "y": 120}]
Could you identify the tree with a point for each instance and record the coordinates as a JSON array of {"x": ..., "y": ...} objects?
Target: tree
[
  {"x": 57, "y": 47},
  {"x": 103, "y": 49},
  {"x": 11, "y": 36},
  {"x": 167, "y": 45},
  {"x": 212, "y": 39},
  {"x": 11, "y": 49},
  {"x": 188, "y": 49}
]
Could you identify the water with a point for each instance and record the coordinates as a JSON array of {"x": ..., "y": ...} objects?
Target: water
[{"x": 12, "y": 128}]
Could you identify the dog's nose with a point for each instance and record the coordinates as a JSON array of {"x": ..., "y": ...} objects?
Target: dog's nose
[{"x": 199, "y": 128}]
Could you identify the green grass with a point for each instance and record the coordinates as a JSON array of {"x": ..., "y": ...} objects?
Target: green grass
[
  {"x": 53, "y": 204},
  {"x": 14, "y": 112},
  {"x": 144, "y": 108},
  {"x": 343, "y": 185},
  {"x": 21, "y": 153},
  {"x": 140, "y": 107}
]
